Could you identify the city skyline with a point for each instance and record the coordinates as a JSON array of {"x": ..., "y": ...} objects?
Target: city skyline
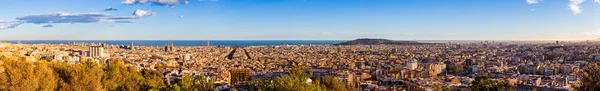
[{"x": 300, "y": 20}]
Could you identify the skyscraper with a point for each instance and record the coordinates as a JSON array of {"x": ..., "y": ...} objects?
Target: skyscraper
[
  {"x": 96, "y": 51},
  {"x": 132, "y": 47},
  {"x": 207, "y": 42}
]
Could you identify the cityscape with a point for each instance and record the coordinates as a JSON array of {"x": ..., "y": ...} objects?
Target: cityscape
[{"x": 300, "y": 45}]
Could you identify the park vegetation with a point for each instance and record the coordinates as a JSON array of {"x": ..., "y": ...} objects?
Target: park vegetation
[{"x": 16, "y": 74}]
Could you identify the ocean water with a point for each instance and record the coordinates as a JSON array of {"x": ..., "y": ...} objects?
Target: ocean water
[{"x": 185, "y": 42}]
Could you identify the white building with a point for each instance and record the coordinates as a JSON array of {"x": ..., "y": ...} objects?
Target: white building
[
  {"x": 412, "y": 64},
  {"x": 96, "y": 51}
]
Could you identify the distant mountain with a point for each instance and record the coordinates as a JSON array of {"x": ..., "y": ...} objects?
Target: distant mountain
[{"x": 367, "y": 41}]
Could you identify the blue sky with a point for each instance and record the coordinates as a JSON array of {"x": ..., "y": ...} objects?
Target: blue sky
[{"x": 303, "y": 20}]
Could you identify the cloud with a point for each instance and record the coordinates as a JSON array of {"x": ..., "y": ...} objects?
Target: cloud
[
  {"x": 144, "y": 13},
  {"x": 9, "y": 25},
  {"x": 49, "y": 25},
  {"x": 64, "y": 17},
  {"x": 111, "y": 9},
  {"x": 598, "y": 1},
  {"x": 137, "y": 14},
  {"x": 532, "y": 1},
  {"x": 156, "y": 2},
  {"x": 574, "y": 6}
]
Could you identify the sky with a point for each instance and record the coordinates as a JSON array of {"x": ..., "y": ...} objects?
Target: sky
[{"x": 299, "y": 19}]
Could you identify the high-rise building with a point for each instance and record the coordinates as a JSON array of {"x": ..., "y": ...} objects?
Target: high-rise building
[
  {"x": 207, "y": 42},
  {"x": 132, "y": 47},
  {"x": 169, "y": 46},
  {"x": 96, "y": 51},
  {"x": 201, "y": 43}
]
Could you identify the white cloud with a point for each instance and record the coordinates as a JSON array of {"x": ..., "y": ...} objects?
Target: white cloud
[
  {"x": 574, "y": 6},
  {"x": 137, "y": 14},
  {"x": 156, "y": 2},
  {"x": 9, "y": 25},
  {"x": 532, "y": 1},
  {"x": 128, "y": 2},
  {"x": 598, "y": 1},
  {"x": 144, "y": 13},
  {"x": 64, "y": 17}
]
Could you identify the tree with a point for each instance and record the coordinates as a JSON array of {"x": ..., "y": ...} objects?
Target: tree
[
  {"x": 200, "y": 83},
  {"x": 85, "y": 76},
  {"x": 589, "y": 78},
  {"x": 484, "y": 83},
  {"x": 152, "y": 80},
  {"x": 19, "y": 75},
  {"x": 295, "y": 81},
  {"x": 332, "y": 84},
  {"x": 205, "y": 84},
  {"x": 187, "y": 83}
]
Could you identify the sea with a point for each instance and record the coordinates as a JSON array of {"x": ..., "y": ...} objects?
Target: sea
[
  {"x": 185, "y": 42},
  {"x": 218, "y": 42}
]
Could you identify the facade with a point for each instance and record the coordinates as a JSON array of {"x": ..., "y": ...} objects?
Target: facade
[
  {"x": 96, "y": 51},
  {"x": 412, "y": 64}
]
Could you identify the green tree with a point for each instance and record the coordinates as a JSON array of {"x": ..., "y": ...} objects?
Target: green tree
[
  {"x": 200, "y": 83},
  {"x": 589, "y": 78},
  {"x": 295, "y": 81},
  {"x": 187, "y": 83},
  {"x": 18, "y": 76},
  {"x": 332, "y": 84},
  {"x": 85, "y": 76},
  {"x": 152, "y": 80},
  {"x": 484, "y": 83}
]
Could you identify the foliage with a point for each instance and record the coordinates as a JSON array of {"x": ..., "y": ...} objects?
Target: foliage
[
  {"x": 455, "y": 69},
  {"x": 484, "y": 83},
  {"x": 295, "y": 81},
  {"x": 589, "y": 78},
  {"x": 332, "y": 84},
  {"x": 20, "y": 75}
]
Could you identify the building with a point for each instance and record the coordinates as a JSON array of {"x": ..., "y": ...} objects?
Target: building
[
  {"x": 207, "y": 42},
  {"x": 187, "y": 57},
  {"x": 96, "y": 51},
  {"x": 132, "y": 47},
  {"x": 240, "y": 75},
  {"x": 169, "y": 46},
  {"x": 104, "y": 44},
  {"x": 412, "y": 64}
]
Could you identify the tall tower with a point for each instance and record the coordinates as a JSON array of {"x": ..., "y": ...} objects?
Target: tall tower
[
  {"x": 201, "y": 43},
  {"x": 169, "y": 46},
  {"x": 132, "y": 47},
  {"x": 207, "y": 42}
]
